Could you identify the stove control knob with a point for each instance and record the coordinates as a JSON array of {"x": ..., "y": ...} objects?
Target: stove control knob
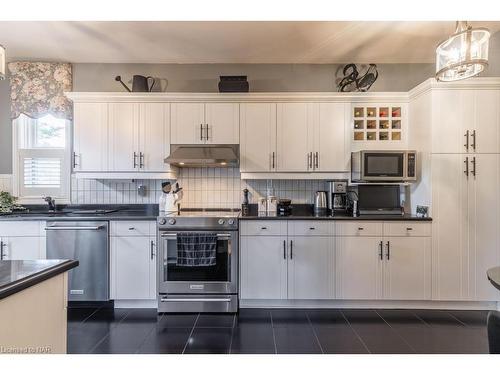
[
  {"x": 162, "y": 221},
  {"x": 171, "y": 221},
  {"x": 221, "y": 221},
  {"x": 230, "y": 222}
]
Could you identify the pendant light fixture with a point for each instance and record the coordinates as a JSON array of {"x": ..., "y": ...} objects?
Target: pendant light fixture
[
  {"x": 464, "y": 54},
  {"x": 2, "y": 62}
]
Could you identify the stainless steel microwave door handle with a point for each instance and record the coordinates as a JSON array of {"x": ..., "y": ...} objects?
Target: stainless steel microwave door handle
[
  {"x": 152, "y": 249},
  {"x": 135, "y": 160},
  {"x": 75, "y": 228},
  {"x": 201, "y": 132},
  {"x": 381, "y": 251},
  {"x": 284, "y": 249},
  {"x": 466, "y": 161},
  {"x": 473, "y": 162},
  {"x": 388, "y": 250},
  {"x": 466, "y": 145},
  {"x": 473, "y": 144}
]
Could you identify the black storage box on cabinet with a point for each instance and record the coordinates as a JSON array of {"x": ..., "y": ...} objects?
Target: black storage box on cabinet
[{"x": 233, "y": 84}]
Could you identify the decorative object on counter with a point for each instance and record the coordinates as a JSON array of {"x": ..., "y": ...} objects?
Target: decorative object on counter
[
  {"x": 139, "y": 83},
  {"x": 38, "y": 89},
  {"x": 245, "y": 207},
  {"x": 262, "y": 207},
  {"x": 8, "y": 203},
  {"x": 353, "y": 81},
  {"x": 464, "y": 54},
  {"x": 2, "y": 62},
  {"x": 422, "y": 211},
  {"x": 272, "y": 205},
  {"x": 233, "y": 84}
]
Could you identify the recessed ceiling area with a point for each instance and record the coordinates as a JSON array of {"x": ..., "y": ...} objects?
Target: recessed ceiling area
[{"x": 227, "y": 42}]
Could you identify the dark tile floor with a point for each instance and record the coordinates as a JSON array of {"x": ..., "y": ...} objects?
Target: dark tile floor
[{"x": 266, "y": 331}]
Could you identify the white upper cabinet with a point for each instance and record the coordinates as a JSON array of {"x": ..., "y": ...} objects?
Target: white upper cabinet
[
  {"x": 123, "y": 137},
  {"x": 188, "y": 123},
  {"x": 466, "y": 121},
  {"x": 222, "y": 123},
  {"x": 330, "y": 152},
  {"x": 257, "y": 137},
  {"x": 294, "y": 137},
  {"x": 199, "y": 123},
  {"x": 154, "y": 136},
  {"x": 90, "y": 137}
]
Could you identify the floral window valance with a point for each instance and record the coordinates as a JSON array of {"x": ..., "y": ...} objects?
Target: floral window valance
[{"x": 37, "y": 89}]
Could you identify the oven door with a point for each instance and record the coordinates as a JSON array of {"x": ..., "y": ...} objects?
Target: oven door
[
  {"x": 383, "y": 166},
  {"x": 220, "y": 278}
]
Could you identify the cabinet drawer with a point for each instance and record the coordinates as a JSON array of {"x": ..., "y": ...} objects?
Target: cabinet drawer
[
  {"x": 22, "y": 228},
  {"x": 310, "y": 228},
  {"x": 132, "y": 228},
  {"x": 263, "y": 228},
  {"x": 407, "y": 228},
  {"x": 359, "y": 228}
]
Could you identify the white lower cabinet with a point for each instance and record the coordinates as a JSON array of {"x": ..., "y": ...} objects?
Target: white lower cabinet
[
  {"x": 263, "y": 267},
  {"x": 310, "y": 265},
  {"x": 22, "y": 240},
  {"x": 133, "y": 264},
  {"x": 358, "y": 268}
]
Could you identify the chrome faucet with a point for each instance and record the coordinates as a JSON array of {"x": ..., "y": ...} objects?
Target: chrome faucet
[{"x": 51, "y": 202}]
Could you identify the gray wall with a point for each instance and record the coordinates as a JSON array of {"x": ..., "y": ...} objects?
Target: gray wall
[{"x": 5, "y": 129}]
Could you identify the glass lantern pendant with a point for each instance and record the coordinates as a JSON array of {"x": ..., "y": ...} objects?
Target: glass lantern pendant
[
  {"x": 2, "y": 62},
  {"x": 464, "y": 54}
]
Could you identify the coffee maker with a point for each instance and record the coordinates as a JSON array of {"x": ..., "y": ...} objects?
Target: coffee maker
[{"x": 337, "y": 196}]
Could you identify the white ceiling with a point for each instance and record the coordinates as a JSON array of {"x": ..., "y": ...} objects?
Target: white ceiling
[{"x": 227, "y": 42}]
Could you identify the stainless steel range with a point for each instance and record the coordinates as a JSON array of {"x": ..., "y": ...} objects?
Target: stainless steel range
[{"x": 211, "y": 287}]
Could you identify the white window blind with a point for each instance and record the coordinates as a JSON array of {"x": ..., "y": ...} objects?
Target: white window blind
[{"x": 42, "y": 172}]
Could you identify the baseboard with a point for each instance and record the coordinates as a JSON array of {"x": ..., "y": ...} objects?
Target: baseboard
[
  {"x": 348, "y": 304},
  {"x": 136, "y": 304}
]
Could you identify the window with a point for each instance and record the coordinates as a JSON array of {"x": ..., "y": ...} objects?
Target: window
[{"x": 41, "y": 158}]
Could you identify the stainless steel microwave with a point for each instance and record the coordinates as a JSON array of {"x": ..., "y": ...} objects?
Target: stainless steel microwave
[{"x": 384, "y": 165}]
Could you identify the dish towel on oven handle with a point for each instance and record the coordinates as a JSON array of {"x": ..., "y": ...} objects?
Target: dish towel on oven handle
[{"x": 196, "y": 249}]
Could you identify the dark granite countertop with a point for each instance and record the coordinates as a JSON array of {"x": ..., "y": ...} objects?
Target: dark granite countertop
[
  {"x": 74, "y": 212},
  {"x": 306, "y": 212},
  {"x": 17, "y": 275},
  {"x": 494, "y": 276}
]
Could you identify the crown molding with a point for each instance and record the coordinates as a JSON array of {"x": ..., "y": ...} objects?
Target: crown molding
[{"x": 478, "y": 83}]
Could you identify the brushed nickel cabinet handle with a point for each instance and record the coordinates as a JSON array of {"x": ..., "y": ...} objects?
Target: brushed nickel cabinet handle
[
  {"x": 206, "y": 131},
  {"x": 473, "y": 144},
  {"x": 409, "y": 228},
  {"x": 388, "y": 250},
  {"x": 473, "y": 162},
  {"x": 74, "y": 160},
  {"x": 381, "y": 251},
  {"x": 141, "y": 160},
  {"x": 201, "y": 132},
  {"x": 273, "y": 160},
  {"x": 316, "y": 160},
  {"x": 466, "y": 145},
  {"x": 152, "y": 249},
  {"x": 135, "y": 160},
  {"x": 284, "y": 249},
  {"x": 291, "y": 249},
  {"x": 466, "y": 162}
]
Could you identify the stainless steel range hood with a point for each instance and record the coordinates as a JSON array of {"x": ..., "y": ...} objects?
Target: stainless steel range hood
[{"x": 204, "y": 156}]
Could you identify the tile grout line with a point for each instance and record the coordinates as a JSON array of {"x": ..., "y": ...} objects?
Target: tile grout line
[
  {"x": 314, "y": 332},
  {"x": 274, "y": 334},
  {"x": 154, "y": 328},
  {"x": 105, "y": 336},
  {"x": 397, "y": 333},
  {"x": 419, "y": 318},
  {"x": 190, "y": 333},
  {"x": 356, "y": 333}
]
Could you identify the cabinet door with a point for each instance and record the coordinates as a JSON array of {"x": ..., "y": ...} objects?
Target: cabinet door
[
  {"x": 23, "y": 248},
  {"x": 131, "y": 269},
  {"x": 484, "y": 225},
  {"x": 223, "y": 123},
  {"x": 123, "y": 137},
  {"x": 407, "y": 268},
  {"x": 453, "y": 114},
  {"x": 486, "y": 121},
  {"x": 449, "y": 227},
  {"x": 154, "y": 136},
  {"x": 257, "y": 137},
  {"x": 187, "y": 123},
  {"x": 329, "y": 138},
  {"x": 90, "y": 137},
  {"x": 358, "y": 268},
  {"x": 294, "y": 138},
  {"x": 310, "y": 268},
  {"x": 263, "y": 267}
]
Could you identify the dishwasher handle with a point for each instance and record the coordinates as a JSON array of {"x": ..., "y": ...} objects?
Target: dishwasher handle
[{"x": 98, "y": 227}]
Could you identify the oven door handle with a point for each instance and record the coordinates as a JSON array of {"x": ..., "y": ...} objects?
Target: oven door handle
[
  {"x": 196, "y": 300},
  {"x": 174, "y": 235}
]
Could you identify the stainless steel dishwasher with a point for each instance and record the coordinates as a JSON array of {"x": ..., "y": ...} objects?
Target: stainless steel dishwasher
[{"x": 87, "y": 242}]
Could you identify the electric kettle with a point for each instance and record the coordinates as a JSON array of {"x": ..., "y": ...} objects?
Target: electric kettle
[{"x": 320, "y": 202}]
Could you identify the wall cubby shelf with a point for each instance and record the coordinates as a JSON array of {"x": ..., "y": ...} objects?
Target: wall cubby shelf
[{"x": 377, "y": 123}]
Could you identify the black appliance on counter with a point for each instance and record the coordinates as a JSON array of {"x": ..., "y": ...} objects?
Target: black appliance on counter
[
  {"x": 284, "y": 207},
  {"x": 379, "y": 200}
]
